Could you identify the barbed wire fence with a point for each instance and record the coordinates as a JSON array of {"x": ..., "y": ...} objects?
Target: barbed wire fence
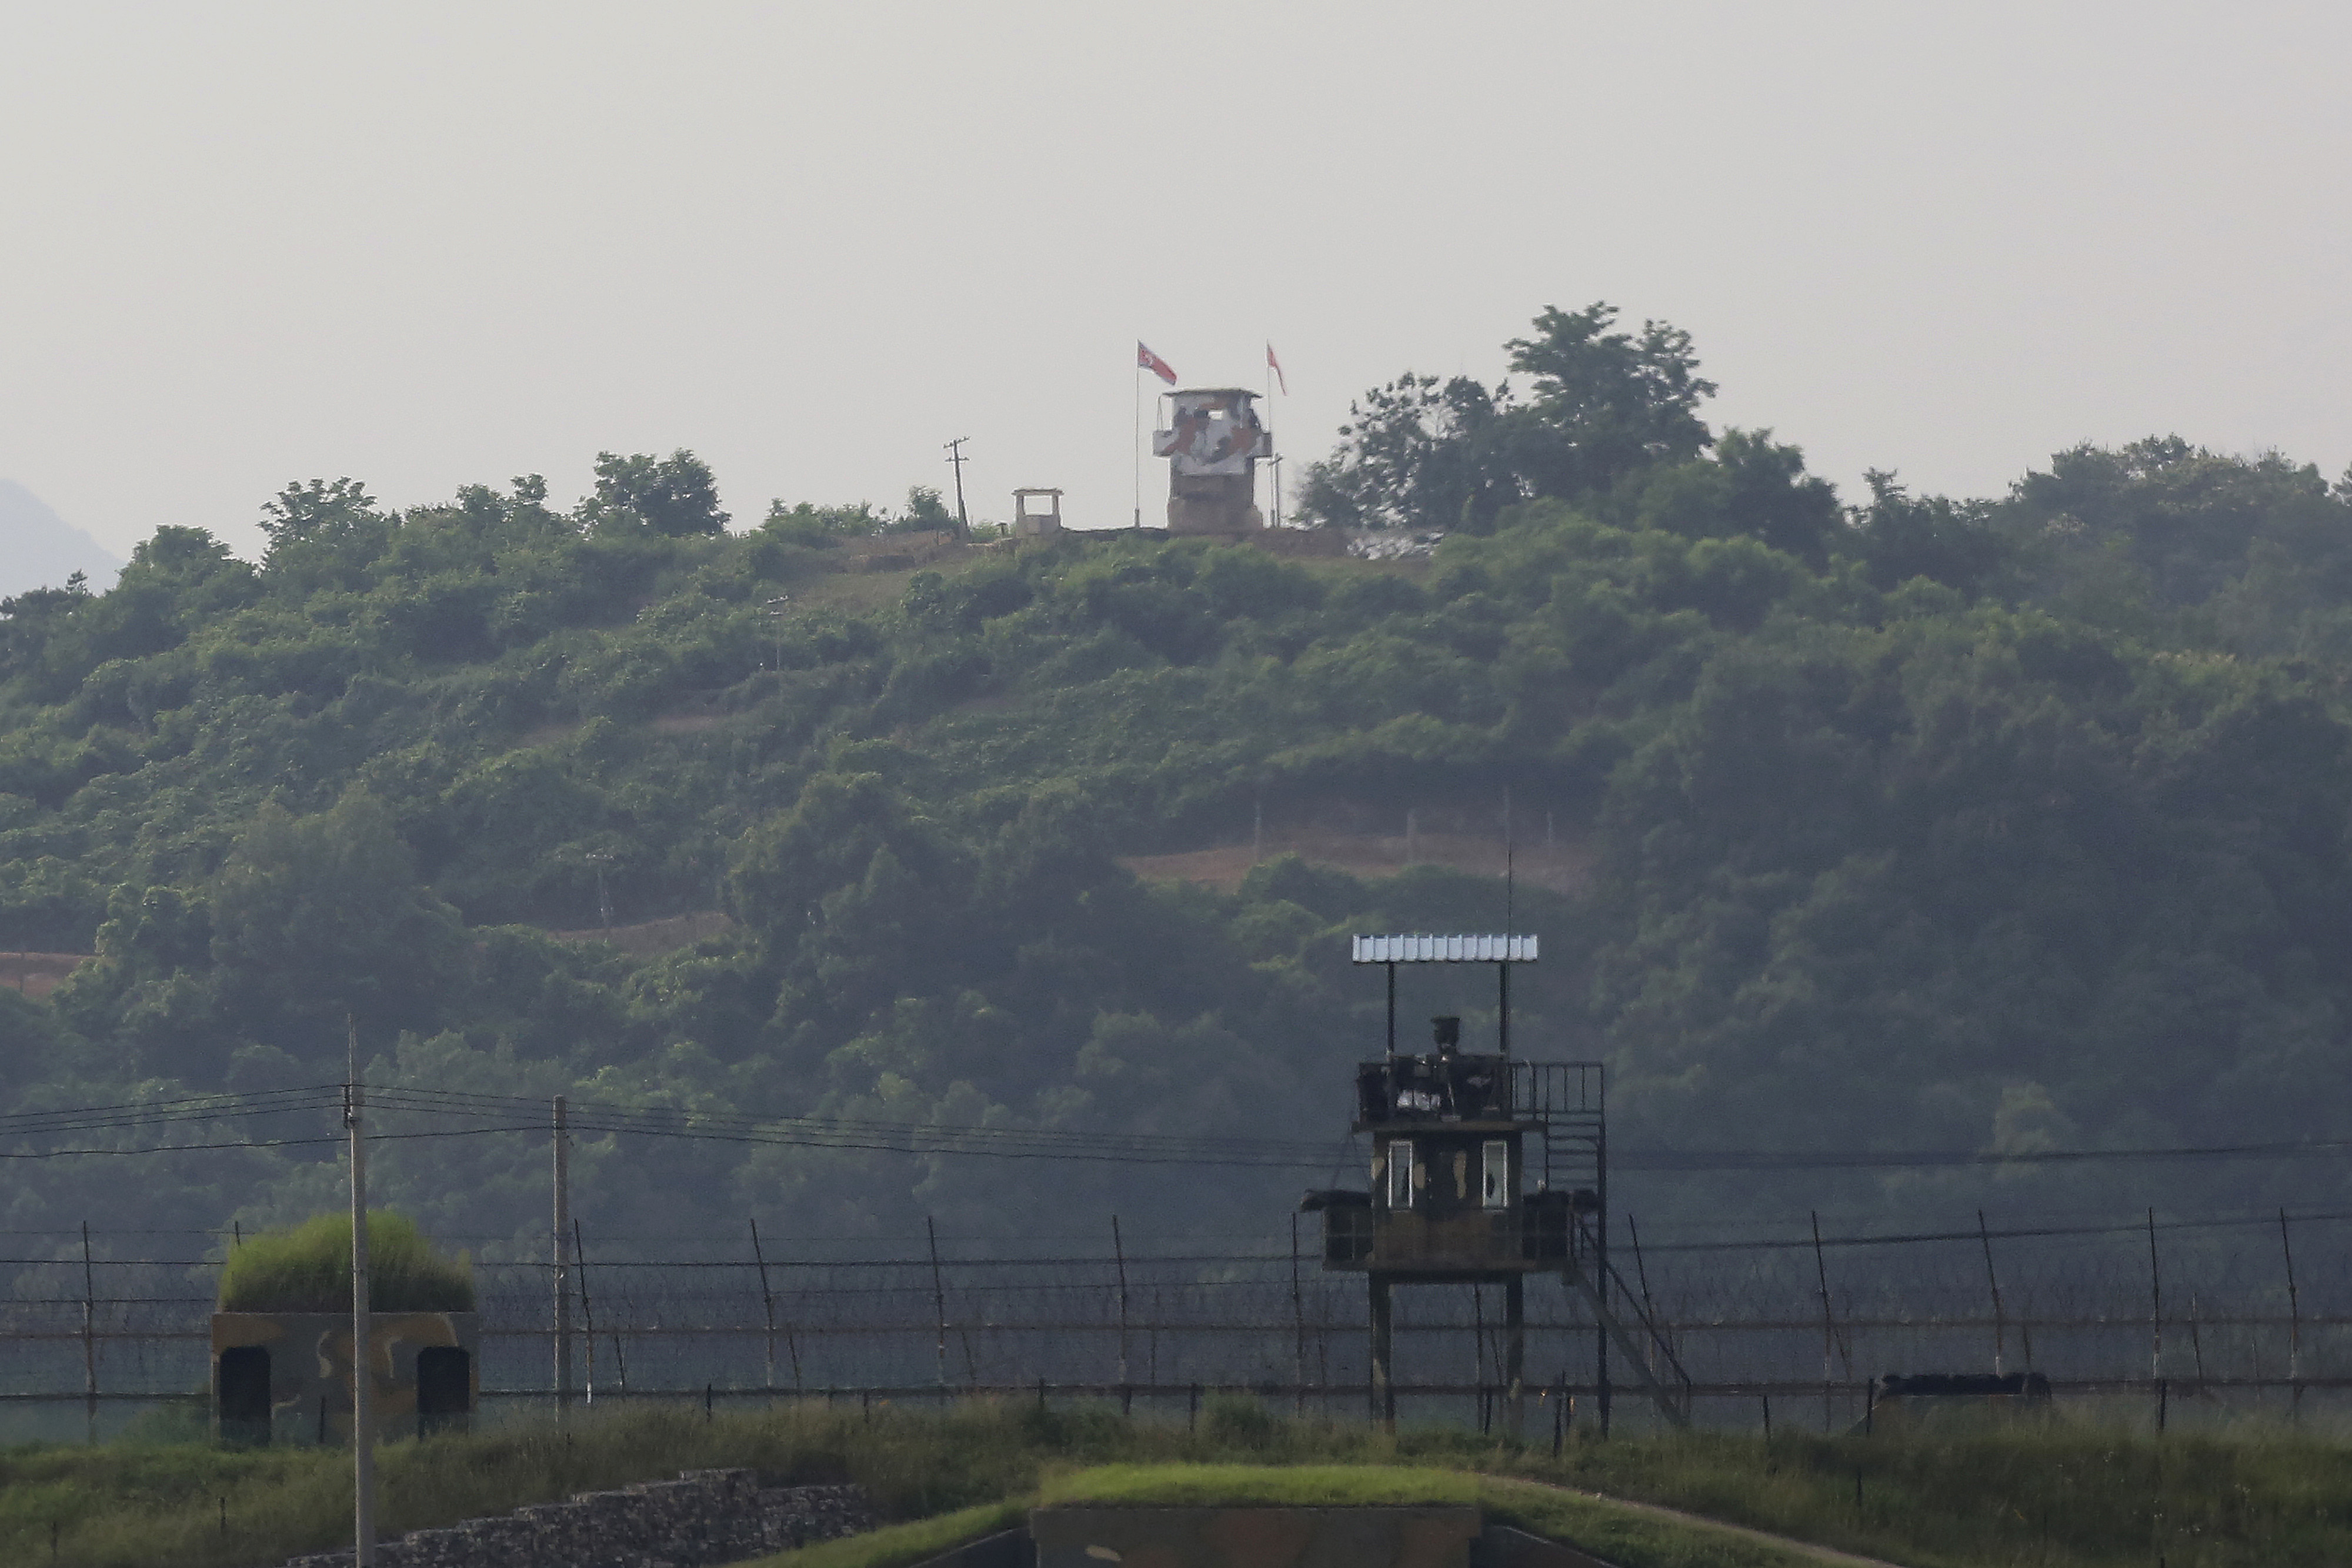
[{"x": 2164, "y": 1319}]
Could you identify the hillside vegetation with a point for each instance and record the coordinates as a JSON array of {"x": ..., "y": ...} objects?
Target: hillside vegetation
[{"x": 1922, "y": 823}]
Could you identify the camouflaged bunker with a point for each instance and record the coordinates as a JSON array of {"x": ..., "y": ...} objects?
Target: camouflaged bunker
[{"x": 281, "y": 1347}]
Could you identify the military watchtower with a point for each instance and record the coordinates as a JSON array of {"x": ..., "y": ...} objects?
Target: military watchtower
[{"x": 1486, "y": 1168}]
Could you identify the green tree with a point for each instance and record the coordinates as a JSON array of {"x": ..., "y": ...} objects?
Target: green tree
[
  {"x": 1415, "y": 454},
  {"x": 1606, "y": 403},
  {"x": 324, "y": 510},
  {"x": 1423, "y": 454},
  {"x": 674, "y": 496}
]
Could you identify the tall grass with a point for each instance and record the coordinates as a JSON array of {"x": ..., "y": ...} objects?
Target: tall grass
[
  {"x": 2070, "y": 1493},
  {"x": 309, "y": 1269}
]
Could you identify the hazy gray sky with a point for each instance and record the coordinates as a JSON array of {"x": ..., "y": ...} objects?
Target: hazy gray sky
[{"x": 429, "y": 245}]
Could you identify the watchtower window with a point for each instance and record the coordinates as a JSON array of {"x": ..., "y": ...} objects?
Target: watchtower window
[
  {"x": 1498, "y": 1191},
  {"x": 1400, "y": 1173}
]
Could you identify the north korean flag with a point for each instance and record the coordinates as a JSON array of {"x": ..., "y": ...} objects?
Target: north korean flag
[{"x": 1146, "y": 360}]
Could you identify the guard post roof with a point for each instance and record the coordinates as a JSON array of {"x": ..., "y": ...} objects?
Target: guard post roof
[{"x": 1445, "y": 950}]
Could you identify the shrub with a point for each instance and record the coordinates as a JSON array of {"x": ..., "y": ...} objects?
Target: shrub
[{"x": 309, "y": 1269}]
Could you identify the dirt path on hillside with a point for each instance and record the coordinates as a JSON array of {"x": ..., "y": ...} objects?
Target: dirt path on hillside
[
  {"x": 1561, "y": 866},
  {"x": 648, "y": 937},
  {"x": 36, "y": 975}
]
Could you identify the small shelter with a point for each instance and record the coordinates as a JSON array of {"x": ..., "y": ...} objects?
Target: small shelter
[{"x": 1037, "y": 524}]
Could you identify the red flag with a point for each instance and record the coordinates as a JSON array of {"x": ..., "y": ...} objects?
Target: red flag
[
  {"x": 1275, "y": 365},
  {"x": 1146, "y": 360}
]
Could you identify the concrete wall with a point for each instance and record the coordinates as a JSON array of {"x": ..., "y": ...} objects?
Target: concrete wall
[{"x": 310, "y": 1369}]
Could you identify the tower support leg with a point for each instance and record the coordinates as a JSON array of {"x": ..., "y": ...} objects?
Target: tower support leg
[
  {"x": 1515, "y": 1354},
  {"x": 1383, "y": 1391}
]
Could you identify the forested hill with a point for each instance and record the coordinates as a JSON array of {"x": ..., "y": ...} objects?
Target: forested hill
[{"x": 1918, "y": 824}]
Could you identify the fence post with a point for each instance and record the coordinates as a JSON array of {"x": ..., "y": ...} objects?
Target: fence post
[
  {"x": 2295, "y": 1327},
  {"x": 939, "y": 1300},
  {"x": 90, "y": 1341},
  {"x": 1829, "y": 1327},
  {"x": 88, "y": 1337},
  {"x": 1297, "y": 1327},
  {"x": 587, "y": 1308},
  {"x": 562, "y": 1183},
  {"x": 1649, "y": 1307},
  {"x": 1119, "y": 1253},
  {"x": 1478, "y": 1353},
  {"x": 768, "y": 1301},
  {"x": 2000, "y": 1323},
  {"x": 2154, "y": 1307}
]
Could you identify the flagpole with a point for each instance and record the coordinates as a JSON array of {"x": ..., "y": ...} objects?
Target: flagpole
[{"x": 1138, "y": 441}]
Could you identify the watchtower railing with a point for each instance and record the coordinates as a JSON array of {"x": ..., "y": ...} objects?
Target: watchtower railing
[
  {"x": 1478, "y": 1088},
  {"x": 1542, "y": 1091}
]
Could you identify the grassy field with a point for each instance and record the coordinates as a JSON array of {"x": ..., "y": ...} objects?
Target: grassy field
[{"x": 2067, "y": 1493}]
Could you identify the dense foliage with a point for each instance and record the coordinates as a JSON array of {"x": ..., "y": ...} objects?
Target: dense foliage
[
  {"x": 2001, "y": 825},
  {"x": 307, "y": 1269}
]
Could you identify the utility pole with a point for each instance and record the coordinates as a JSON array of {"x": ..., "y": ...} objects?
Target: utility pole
[
  {"x": 956, "y": 457},
  {"x": 598, "y": 859},
  {"x": 562, "y": 1268},
  {"x": 362, "y": 1361},
  {"x": 775, "y": 609},
  {"x": 89, "y": 1328}
]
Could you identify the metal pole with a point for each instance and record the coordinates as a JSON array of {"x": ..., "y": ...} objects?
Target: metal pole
[
  {"x": 1118, "y": 1252},
  {"x": 587, "y": 1308},
  {"x": 1649, "y": 1307},
  {"x": 1392, "y": 969},
  {"x": 1297, "y": 1325},
  {"x": 1829, "y": 1327},
  {"x": 2295, "y": 1325},
  {"x": 362, "y": 1349},
  {"x": 768, "y": 1303},
  {"x": 1503, "y": 1019},
  {"x": 562, "y": 1273},
  {"x": 1601, "y": 1254},
  {"x": 88, "y": 1336},
  {"x": 1478, "y": 1351},
  {"x": 939, "y": 1298},
  {"x": 1515, "y": 1355},
  {"x": 2000, "y": 1321},
  {"x": 2154, "y": 1305},
  {"x": 1383, "y": 1390}
]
